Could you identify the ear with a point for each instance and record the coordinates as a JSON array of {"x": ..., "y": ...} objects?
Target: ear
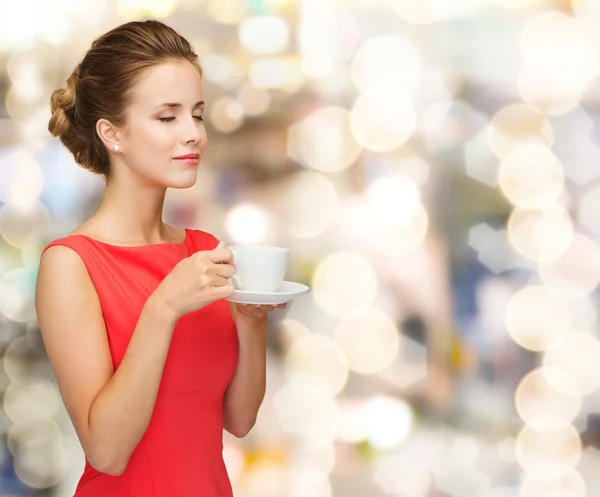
[{"x": 108, "y": 133}]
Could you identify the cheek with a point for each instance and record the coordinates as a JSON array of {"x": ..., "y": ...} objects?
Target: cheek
[
  {"x": 155, "y": 137},
  {"x": 150, "y": 150},
  {"x": 163, "y": 137}
]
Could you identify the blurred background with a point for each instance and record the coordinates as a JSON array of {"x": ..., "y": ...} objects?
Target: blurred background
[{"x": 434, "y": 166}]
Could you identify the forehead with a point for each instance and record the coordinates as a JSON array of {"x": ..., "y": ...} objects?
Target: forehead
[{"x": 168, "y": 82}]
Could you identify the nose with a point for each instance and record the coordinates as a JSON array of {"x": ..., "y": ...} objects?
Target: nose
[{"x": 193, "y": 133}]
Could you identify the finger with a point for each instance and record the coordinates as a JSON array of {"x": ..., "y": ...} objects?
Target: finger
[
  {"x": 249, "y": 311},
  {"x": 254, "y": 309},
  {"x": 224, "y": 270},
  {"x": 222, "y": 254},
  {"x": 221, "y": 281},
  {"x": 264, "y": 309},
  {"x": 223, "y": 291}
]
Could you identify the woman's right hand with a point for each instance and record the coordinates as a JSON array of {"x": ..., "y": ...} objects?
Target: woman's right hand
[{"x": 196, "y": 281}]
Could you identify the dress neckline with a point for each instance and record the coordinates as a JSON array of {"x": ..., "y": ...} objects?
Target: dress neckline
[{"x": 129, "y": 247}]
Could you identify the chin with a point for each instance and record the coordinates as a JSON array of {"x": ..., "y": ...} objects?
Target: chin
[{"x": 186, "y": 180}]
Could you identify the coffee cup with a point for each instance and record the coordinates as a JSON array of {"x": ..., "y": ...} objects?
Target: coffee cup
[{"x": 259, "y": 268}]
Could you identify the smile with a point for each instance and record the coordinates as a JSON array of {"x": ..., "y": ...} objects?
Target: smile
[{"x": 189, "y": 159}]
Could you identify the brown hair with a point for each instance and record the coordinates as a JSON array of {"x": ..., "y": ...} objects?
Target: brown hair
[{"x": 100, "y": 86}]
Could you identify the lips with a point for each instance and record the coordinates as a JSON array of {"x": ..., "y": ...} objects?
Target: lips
[
  {"x": 188, "y": 156},
  {"x": 188, "y": 159}
]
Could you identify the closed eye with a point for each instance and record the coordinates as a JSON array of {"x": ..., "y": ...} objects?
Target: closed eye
[{"x": 169, "y": 119}]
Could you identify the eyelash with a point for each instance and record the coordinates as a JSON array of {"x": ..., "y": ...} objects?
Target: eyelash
[{"x": 169, "y": 119}]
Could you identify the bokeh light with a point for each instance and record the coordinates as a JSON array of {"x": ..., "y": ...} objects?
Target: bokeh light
[
  {"x": 515, "y": 4},
  {"x": 227, "y": 11},
  {"x": 234, "y": 461},
  {"x": 382, "y": 122},
  {"x": 537, "y": 318},
  {"x": 373, "y": 71},
  {"x": 541, "y": 406},
  {"x": 310, "y": 206},
  {"x": 154, "y": 8},
  {"x": 310, "y": 415},
  {"x": 18, "y": 225},
  {"x": 264, "y": 34},
  {"x": 254, "y": 101},
  {"x": 541, "y": 235},
  {"x": 323, "y": 141},
  {"x": 226, "y": 115},
  {"x": 308, "y": 479},
  {"x": 431, "y": 11},
  {"x": 418, "y": 11},
  {"x": 548, "y": 96},
  {"x": 531, "y": 176},
  {"x": 218, "y": 69},
  {"x": 388, "y": 421},
  {"x": 517, "y": 123},
  {"x": 576, "y": 272},
  {"x": 394, "y": 201},
  {"x": 589, "y": 206},
  {"x": 344, "y": 284},
  {"x": 31, "y": 403},
  {"x": 394, "y": 241},
  {"x": 317, "y": 38},
  {"x": 535, "y": 449},
  {"x": 276, "y": 73},
  {"x": 317, "y": 363},
  {"x": 40, "y": 457},
  {"x": 248, "y": 223},
  {"x": 265, "y": 476},
  {"x": 553, "y": 479},
  {"x": 16, "y": 289},
  {"x": 24, "y": 362},
  {"x": 556, "y": 45},
  {"x": 575, "y": 354},
  {"x": 397, "y": 474},
  {"x": 369, "y": 340},
  {"x": 21, "y": 178}
]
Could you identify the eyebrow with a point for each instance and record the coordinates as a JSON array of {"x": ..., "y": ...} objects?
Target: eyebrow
[{"x": 177, "y": 104}]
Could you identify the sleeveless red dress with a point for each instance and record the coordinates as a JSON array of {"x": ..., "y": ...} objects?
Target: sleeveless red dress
[{"x": 180, "y": 454}]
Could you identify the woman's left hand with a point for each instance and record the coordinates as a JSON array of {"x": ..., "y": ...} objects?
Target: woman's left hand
[{"x": 258, "y": 311}]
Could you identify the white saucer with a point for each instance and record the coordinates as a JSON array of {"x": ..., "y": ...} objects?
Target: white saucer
[{"x": 287, "y": 291}]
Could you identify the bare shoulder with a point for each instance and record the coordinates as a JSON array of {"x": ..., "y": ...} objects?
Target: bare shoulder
[
  {"x": 65, "y": 296},
  {"x": 63, "y": 280},
  {"x": 61, "y": 263}
]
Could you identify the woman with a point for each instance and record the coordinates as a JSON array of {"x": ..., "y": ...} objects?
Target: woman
[{"x": 149, "y": 361}]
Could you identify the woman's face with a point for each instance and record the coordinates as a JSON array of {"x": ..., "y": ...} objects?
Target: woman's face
[{"x": 164, "y": 121}]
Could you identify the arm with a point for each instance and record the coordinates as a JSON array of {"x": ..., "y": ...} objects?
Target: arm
[
  {"x": 246, "y": 391},
  {"x": 109, "y": 410}
]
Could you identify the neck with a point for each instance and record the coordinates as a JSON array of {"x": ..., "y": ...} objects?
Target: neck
[{"x": 133, "y": 212}]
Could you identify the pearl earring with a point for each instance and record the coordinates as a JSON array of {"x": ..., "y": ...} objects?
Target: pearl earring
[{"x": 116, "y": 148}]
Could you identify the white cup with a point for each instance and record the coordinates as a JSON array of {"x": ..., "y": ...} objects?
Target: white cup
[{"x": 259, "y": 268}]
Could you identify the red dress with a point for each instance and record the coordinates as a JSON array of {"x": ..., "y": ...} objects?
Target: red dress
[{"x": 180, "y": 454}]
